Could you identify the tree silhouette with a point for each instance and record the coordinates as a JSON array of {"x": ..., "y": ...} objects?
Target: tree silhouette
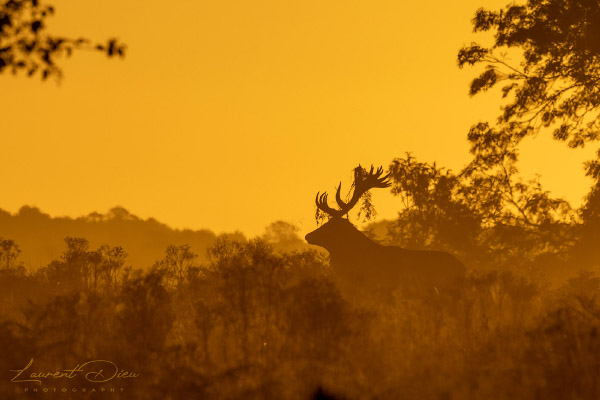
[
  {"x": 487, "y": 215},
  {"x": 9, "y": 253},
  {"x": 178, "y": 264},
  {"x": 586, "y": 251},
  {"x": 555, "y": 85},
  {"x": 283, "y": 236},
  {"x": 26, "y": 46},
  {"x": 80, "y": 268},
  {"x": 553, "y": 88}
]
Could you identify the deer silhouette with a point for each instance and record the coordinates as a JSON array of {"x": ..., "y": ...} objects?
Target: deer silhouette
[{"x": 360, "y": 264}]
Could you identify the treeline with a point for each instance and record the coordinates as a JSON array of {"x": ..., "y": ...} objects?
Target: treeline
[
  {"x": 254, "y": 323},
  {"x": 264, "y": 319},
  {"x": 40, "y": 236},
  {"x": 491, "y": 218},
  {"x": 233, "y": 327}
]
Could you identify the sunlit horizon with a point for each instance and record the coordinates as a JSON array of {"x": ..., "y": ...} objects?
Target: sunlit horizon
[{"x": 231, "y": 116}]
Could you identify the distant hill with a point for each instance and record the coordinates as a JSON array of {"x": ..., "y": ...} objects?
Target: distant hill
[{"x": 41, "y": 237}]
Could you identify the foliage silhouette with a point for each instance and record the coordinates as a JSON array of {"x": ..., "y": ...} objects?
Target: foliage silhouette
[
  {"x": 89, "y": 271},
  {"x": 256, "y": 323},
  {"x": 283, "y": 236},
  {"x": 487, "y": 217},
  {"x": 26, "y": 46},
  {"x": 9, "y": 253},
  {"x": 553, "y": 88},
  {"x": 178, "y": 265},
  {"x": 555, "y": 85}
]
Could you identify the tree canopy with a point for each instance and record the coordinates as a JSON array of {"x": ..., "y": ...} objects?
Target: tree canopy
[
  {"x": 555, "y": 85},
  {"x": 26, "y": 46}
]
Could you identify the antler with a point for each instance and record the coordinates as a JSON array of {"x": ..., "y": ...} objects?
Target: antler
[
  {"x": 362, "y": 183},
  {"x": 322, "y": 205}
]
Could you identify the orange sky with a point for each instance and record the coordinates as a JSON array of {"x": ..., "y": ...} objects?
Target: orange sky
[{"x": 230, "y": 115}]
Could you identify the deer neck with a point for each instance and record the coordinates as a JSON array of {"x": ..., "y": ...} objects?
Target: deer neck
[{"x": 352, "y": 249}]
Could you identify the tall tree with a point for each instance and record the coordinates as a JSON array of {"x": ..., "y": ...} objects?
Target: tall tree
[
  {"x": 487, "y": 219},
  {"x": 556, "y": 83}
]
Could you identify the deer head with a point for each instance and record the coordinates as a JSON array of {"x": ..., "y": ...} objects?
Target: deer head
[{"x": 338, "y": 230}]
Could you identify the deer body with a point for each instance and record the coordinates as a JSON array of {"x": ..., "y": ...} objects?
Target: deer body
[
  {"x": 364, "y": 266},
  {"x": 361, "y": 264}
]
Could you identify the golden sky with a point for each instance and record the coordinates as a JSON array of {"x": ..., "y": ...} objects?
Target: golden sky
[{"x": 230, "y": 115}]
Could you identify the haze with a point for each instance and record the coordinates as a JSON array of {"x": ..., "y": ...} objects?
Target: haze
[{"x": 230, "y": 115}]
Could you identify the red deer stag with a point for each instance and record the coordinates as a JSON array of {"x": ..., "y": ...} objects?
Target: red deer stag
[{"x": 361, "y": 265}]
